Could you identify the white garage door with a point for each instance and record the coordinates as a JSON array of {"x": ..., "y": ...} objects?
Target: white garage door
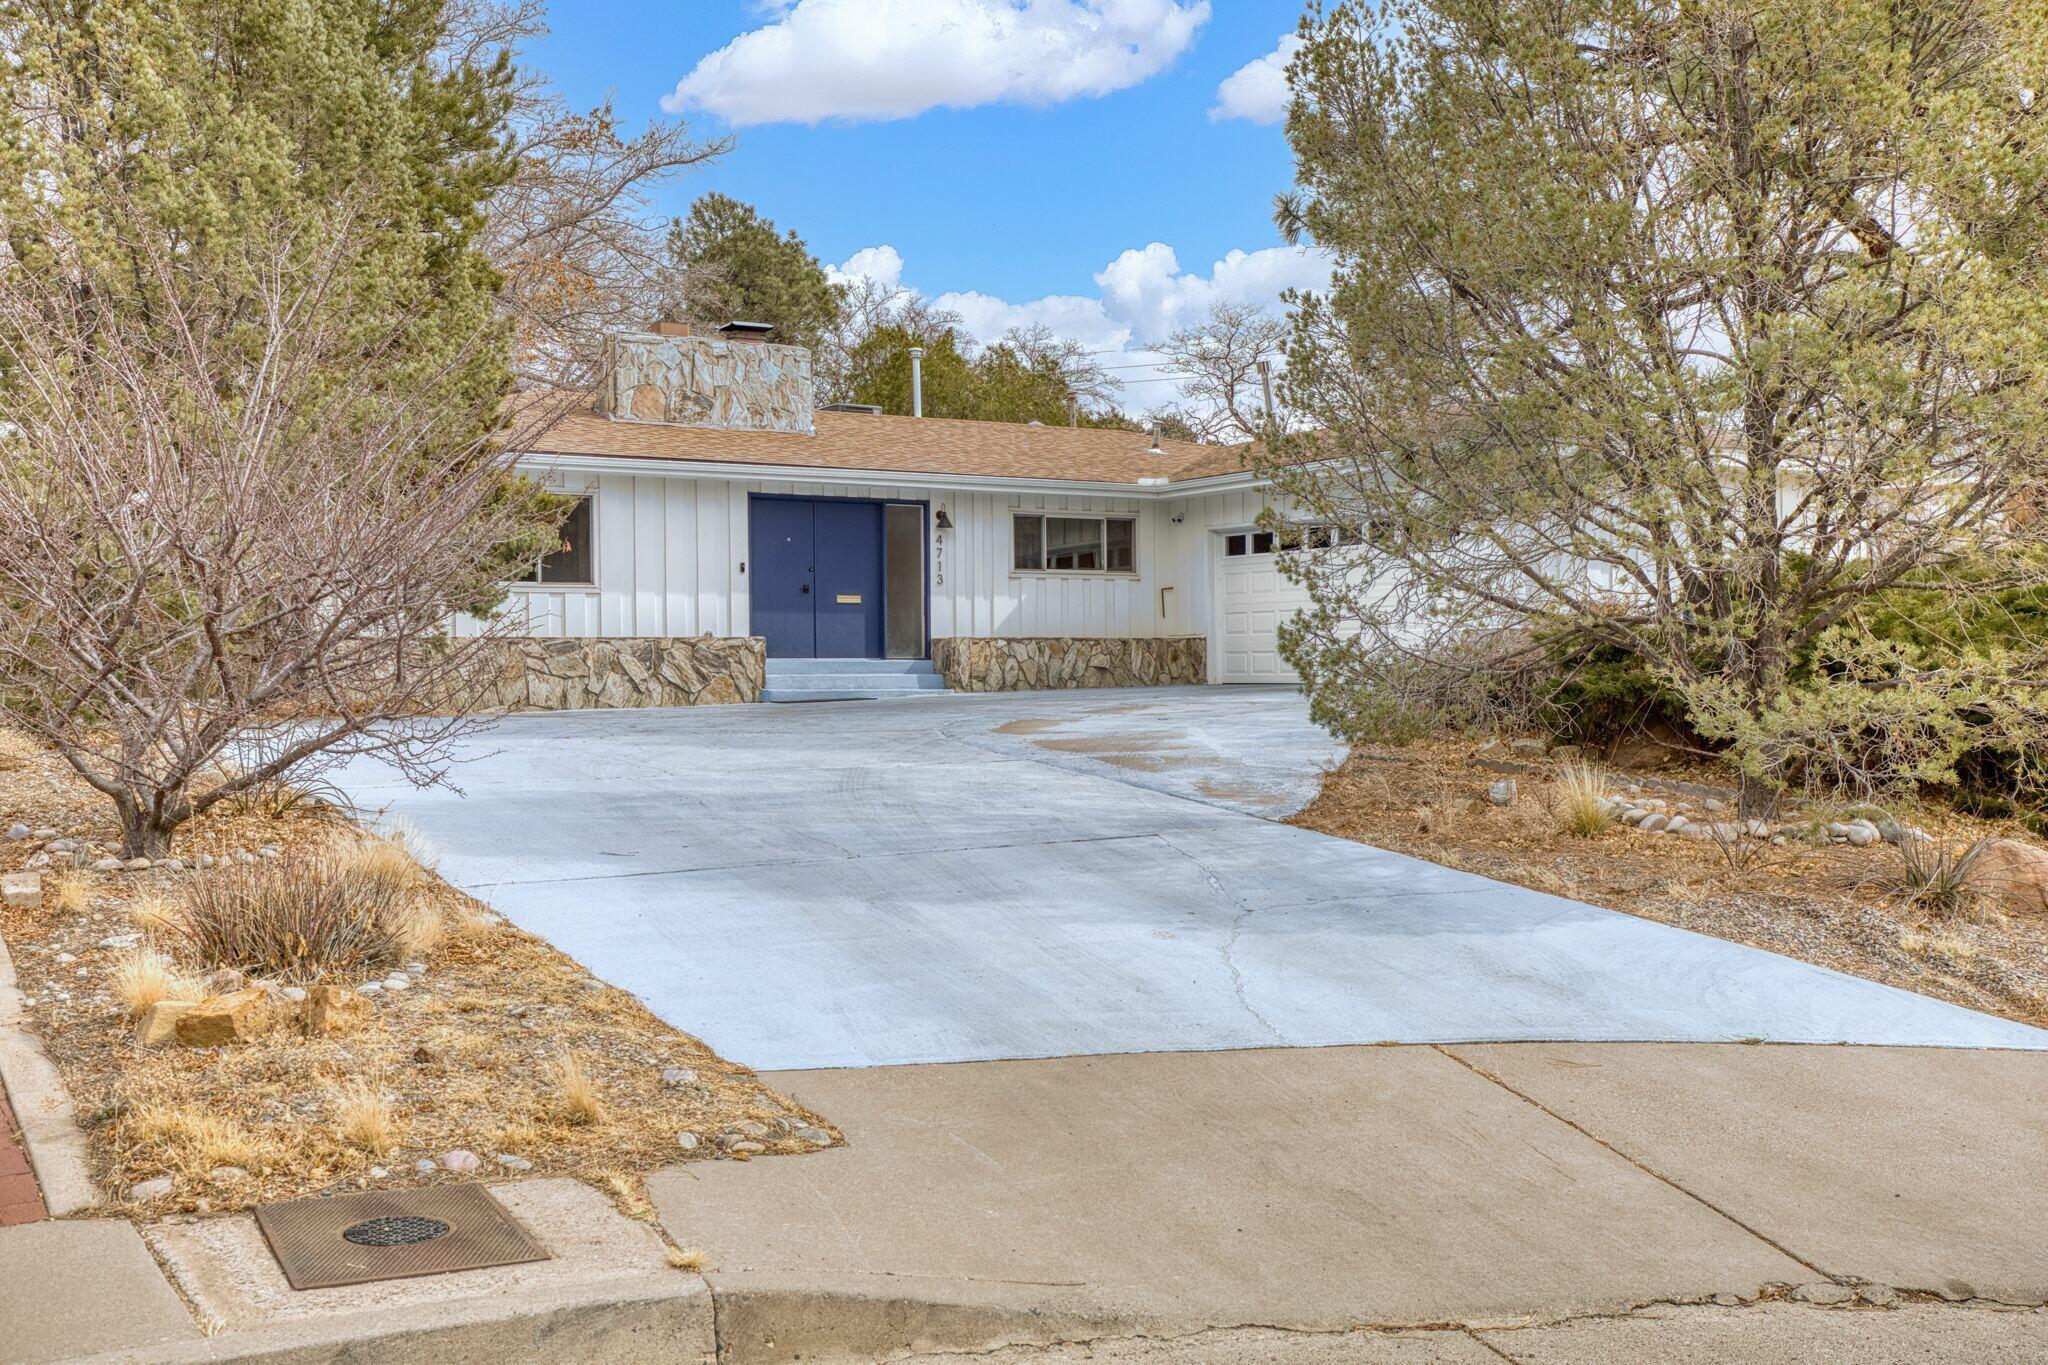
[{"x": 1252, "y": 601}]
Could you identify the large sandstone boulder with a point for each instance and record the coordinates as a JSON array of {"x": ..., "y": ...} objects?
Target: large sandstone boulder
[
  {"x": 2014, "y": 874},
  {"x": 233, "y": 1018}
]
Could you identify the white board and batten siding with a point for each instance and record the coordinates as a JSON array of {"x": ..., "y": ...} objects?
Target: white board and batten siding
[{"x": 669, "y": 550}]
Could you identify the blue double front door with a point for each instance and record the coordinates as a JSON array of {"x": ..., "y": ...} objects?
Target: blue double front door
[{"x": 817, "y": 577}]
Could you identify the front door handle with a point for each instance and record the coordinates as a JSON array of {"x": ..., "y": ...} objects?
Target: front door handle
[{"x": 807, "y": 587}]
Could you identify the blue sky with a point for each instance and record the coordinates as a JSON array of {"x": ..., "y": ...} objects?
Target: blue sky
[{"x": 1063, "y": 161}]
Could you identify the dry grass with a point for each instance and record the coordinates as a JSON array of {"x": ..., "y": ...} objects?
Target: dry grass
[
  {"x": 465, "y": 1059},
  {"x": 146, "y": 978},
  {"x": 17, "y": 751},
  {"x": 1830, "y": 904},
  {"x": 628, "y": 1193},
  {"x": 190, "y": 1140},
  {"x": 157, "y": 916},
  {"x": 363, "y": 1117},
  {"x": 688, "y": 1258},
  {"x": 300, "y": 919},
  {"x": 67, "y": 895},
  {"x": 1582, "y": 801},
  {"x": 580, "y": 1100}
]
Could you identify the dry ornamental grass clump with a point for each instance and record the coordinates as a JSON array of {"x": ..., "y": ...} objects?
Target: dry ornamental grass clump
[
  {"x": 581, "y": 1102},
  {"x": 364, "y": 1119},
  {"x": 301, "y": 919},
  {"x": 146, "y": 978},
  {"x": 67, "y": 896},
  {"x": 1582, "y": 800}
]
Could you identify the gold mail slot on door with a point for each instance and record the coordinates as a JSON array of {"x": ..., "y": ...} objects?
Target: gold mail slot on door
[{"x": 849, "y": 599}]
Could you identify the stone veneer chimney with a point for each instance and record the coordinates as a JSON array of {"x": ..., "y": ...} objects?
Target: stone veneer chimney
[{"x": 672, "y": 377}]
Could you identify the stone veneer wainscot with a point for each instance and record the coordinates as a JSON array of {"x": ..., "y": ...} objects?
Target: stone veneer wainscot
[
  {"x": 972, "y": 664},
  {"x": 584, "y": 674}
]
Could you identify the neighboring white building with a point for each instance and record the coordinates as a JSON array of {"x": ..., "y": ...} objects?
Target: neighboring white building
[{"x": 717, "y": 503}]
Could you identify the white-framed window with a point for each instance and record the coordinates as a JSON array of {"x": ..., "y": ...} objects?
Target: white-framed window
[
  {"x": 1238, "y": 544},
  {"x": 574, "y": 562},
  {"x": 1073, "y": 542}
]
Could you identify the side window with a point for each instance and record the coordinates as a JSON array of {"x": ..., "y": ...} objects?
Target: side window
[
  {"x": 572, "y": 563},
  {"x": 1123, "y": 545},
  {"x": 1028, "y": 534}
]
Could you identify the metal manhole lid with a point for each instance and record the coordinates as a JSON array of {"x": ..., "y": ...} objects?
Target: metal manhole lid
[{"x": 393, "y": 1235}]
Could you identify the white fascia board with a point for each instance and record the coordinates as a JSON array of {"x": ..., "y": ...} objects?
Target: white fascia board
[{"x": 700, "y": 469}]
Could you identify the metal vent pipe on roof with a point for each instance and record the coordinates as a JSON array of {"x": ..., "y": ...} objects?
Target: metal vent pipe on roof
[{"x": 917, "y": 381}]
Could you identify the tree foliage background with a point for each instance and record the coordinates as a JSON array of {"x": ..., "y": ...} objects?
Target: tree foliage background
[
  {"x": 253, "y": 364},
  {"x": 1690, "y": 331}
]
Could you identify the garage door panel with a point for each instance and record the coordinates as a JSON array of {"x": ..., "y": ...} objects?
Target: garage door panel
[{"x": 1254, "y": 600}]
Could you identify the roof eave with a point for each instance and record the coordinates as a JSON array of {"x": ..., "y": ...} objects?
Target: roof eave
[{"x": 642, "y": 466}]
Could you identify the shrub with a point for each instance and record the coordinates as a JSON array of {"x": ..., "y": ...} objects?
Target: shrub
[
  {"x": 301, "y": 919},
  {"x": 1582, "y": 800}
]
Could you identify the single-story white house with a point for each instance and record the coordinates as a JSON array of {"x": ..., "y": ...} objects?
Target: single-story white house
[{"x": 721, "y": 514}]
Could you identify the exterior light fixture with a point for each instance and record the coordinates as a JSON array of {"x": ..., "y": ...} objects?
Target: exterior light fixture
[{"x": 944, "y": 523}]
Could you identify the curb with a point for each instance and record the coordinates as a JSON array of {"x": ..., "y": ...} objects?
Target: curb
[
  {"x": 42, "y": 1106},
  {"x": 768, "y": 1323},
  {"x": 647, "y": 1320}
]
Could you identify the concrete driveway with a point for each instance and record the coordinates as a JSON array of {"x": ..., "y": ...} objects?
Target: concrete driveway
[{"x": 1053, "y": 874}]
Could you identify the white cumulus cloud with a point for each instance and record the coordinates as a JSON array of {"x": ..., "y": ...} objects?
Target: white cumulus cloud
[
  {"x": 1258, "y": 89},
  {"x": 890, "y": 59},
  {"x": 882, "y": 265},
  {"x": 1144, "y": 296},
  {"x": 1146, "y": 290}
]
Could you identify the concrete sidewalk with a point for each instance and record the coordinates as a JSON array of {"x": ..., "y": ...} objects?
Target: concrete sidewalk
[
  {"x": 1328, "y": 1191},
  {"x": 1534, "y": 1202}
]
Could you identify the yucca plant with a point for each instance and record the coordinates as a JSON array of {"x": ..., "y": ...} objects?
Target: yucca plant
[{"x": 1937, "y": 878}]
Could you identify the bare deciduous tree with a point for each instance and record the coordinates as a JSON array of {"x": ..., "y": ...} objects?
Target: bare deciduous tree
[
  {"x": 1217, "y": 365},
  {"x": 868, "y": 306},
  {"x": 252, "y": 515},
  {"x": 571, "y": 232}
]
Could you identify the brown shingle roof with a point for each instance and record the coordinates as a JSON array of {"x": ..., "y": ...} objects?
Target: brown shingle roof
[{"x": 898, "y": 445}]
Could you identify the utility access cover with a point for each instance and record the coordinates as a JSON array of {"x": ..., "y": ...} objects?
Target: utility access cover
[{"x": 393, "y": 1235}]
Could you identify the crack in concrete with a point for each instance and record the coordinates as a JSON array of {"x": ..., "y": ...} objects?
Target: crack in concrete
[
  {"x": 1642, "y": 1166},
  {"x": 1476, "y": 1330},
  {"x": 1228, "y": 949}
]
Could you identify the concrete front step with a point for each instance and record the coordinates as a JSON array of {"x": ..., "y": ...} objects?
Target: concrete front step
[
  {"x": 799, "y": 680},
  {"x": 858, "y": 682},
  {"x": 866, "y": 667}
]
